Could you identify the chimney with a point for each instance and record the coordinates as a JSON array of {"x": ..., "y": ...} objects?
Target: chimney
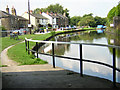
[
  {"x": 64, "y": 14},
  {"x": 55, "y": 14},
  {"x": 13, "y": 11},
  {"x": 7, "y": 9},
  {"x": 47, "y": 12},
  {"x": 31, "y": 11},
  {"x": 40, "y": 12}
]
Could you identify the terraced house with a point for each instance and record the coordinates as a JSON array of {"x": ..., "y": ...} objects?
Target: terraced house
[
  {"x": 56, "y": 20},
  {"x": 12, "y": 21},
  {"x": 36, "y": 20}
]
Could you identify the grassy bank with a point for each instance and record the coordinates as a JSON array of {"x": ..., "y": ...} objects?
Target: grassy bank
[{"x": 18, "y": 52}]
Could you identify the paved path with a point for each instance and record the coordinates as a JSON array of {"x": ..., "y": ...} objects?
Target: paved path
[
  {"x": 5, "y": 60},
  {"x": 45, "y": 76}
]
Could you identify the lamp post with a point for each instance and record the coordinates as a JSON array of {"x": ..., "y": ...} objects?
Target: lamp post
[{"x": 29, "y": 24}]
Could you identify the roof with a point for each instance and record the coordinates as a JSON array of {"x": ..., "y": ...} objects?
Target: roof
[
  {"x": 4, "y": 14},
  {"x": 39, "y": 16},
  {"x": 57, "y": 15},
  {"x": 21, "y": 18}
]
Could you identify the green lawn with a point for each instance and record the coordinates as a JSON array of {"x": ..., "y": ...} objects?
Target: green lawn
[{"x": 18, "y": 52}]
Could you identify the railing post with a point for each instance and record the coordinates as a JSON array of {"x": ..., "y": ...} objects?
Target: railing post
[
  {"x": 37, "y": 48},
  {"x": 114, "y": 67},
  {"x": 28, "y": 48},
  {"x": 53, "y": 55},
  {"x": 81, "y": 63},
  {"x": 26, "y": 45}
]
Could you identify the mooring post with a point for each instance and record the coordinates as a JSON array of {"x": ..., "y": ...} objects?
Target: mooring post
[
  {"x": 53, "y": 55},
  {"x": 28, "y": 48},
  {"x": 37, "y": 48},
  {"x": 114, "y": 67},
  {"x": 81, "y": 63}
]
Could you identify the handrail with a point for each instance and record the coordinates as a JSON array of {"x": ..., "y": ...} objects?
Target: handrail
[
  {"x": 58, "y": 42},
  {"x": 80, "y": 59}
]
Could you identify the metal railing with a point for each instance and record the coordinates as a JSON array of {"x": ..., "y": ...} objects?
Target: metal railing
[{"x": 80, "y": 59}]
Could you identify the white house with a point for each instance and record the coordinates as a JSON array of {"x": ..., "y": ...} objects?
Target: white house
[
  {"x": 36, "y": 20},
  {"x": 56, "y": 20},
  {"x": 52, "y": 19}
]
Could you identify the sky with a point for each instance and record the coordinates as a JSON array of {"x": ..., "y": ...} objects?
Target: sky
[{"x": 75, "y": 7}]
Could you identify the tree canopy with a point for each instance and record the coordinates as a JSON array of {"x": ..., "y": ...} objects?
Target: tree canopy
[
  {"x": 87, "y": 20},
  {"x": 57, "y": 8},
  {"x": 115, "y": 11}
]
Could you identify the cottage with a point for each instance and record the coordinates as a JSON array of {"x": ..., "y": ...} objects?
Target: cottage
[
  {"x": 12, "y": 21},
  {"x": 55, "y": 19},
  {"x": 36, "y": 20}
]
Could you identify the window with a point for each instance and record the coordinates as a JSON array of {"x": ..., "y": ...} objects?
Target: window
[{"x": 37, "y": 20}]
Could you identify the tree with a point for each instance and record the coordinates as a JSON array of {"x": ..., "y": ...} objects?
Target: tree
[
  {"x": 99, "y": 21},
  {"x": 88, "y": 15},
  {"x": 57, "y": 8},
  {"x": 117, "y": 13},
  {"x": 111, "y": 14},
  {"x": 87, "y": 21},
  {"x": 74, "y": 20}
]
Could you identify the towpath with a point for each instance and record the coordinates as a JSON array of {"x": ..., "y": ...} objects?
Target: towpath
[{"x": 45, "y": 76}]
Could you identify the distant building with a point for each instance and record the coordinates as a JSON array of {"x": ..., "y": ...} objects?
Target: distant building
[
  {"x": 56, "y": 20},
  {"x": 12, "y": 21},
  {"x": 37, "y": 20}
]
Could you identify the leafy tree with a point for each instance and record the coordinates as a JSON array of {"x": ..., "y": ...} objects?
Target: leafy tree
[
  {"x": 87, "y": 21},
  {"x": 57, "y": 8},
  {"x": 117, "y": 13},
  {"x": 74, "y": 20},
  {"x": 99, "y": 20},
  {"x": 88, "y": 15},
  {"x": 111, "y": 14}
]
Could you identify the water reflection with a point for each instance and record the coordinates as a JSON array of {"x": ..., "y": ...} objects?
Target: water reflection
[{"x": 101, "y": 54}]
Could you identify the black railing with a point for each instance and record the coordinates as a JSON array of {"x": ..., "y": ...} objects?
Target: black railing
[{"x": 80, "y": 59}]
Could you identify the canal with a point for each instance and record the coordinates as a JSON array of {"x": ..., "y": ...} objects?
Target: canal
[{"x": 94, "y": 53}]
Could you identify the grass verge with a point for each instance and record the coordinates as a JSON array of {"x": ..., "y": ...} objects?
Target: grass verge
[{"x": 19, "y": 54}]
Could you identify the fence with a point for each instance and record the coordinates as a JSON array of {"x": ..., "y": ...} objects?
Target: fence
[{"x": 81, "y": 58}]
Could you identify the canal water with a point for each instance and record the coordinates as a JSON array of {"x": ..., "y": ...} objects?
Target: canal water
[{"x": 94, "y": 53}]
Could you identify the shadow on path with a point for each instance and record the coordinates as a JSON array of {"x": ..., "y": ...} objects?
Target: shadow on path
[{"x": 52, "y": 79}]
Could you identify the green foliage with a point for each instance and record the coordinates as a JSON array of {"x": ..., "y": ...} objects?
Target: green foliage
[
  {"x": 100, "y": 21},
  {"x": 111, "y": 14},
  {"x": 117, "y": 13},
  {"x": 52, "y": 33},
  {"x": 3, "y": 65},
  {"x": 74, "y": 20},
  {"x": 2, "y": 28},
  {"x": 57, "y": 8},
  {"x": 87, "y": 20},
  {"x": 87, "y": 15}
]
